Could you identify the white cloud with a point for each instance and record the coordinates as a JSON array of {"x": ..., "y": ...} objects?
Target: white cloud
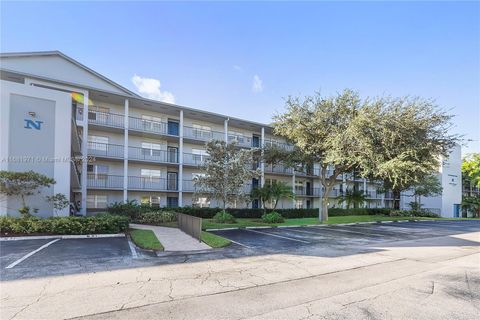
[
  {"x": 237, "y": 68},
  {"x": 150, "y": 88},
  {"x": 257, "y": 85}
]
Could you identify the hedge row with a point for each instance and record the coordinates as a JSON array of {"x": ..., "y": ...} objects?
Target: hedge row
[
  {"x": 134, "y": 211},
  {"x": 63, "y": 225}
]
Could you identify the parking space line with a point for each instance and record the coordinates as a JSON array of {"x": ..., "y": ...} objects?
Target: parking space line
[
  {"x": 336, "y": 229},
  {"x": 240, "y": 244},
  {"x": 277, "y": 236},
  {"x": 132, "y": 249},
  {"x": 31, "y": 254}
]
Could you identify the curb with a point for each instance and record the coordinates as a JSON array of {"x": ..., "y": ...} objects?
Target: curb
[{"x": 70, "y": 236}]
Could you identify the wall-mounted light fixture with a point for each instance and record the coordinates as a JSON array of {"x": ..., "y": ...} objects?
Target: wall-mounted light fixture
[{"x": 32, "y": 114}]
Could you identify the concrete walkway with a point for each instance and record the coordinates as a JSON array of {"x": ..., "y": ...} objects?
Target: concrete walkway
[{"x": 173, "y": 239}]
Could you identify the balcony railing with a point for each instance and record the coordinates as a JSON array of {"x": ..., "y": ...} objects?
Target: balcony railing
[
  {"x": 152, "y": 183},
  {"x": 153, "y": 155},
  {"x": 144, "y": 125},
  {"x": 278, "y": 169},
  {"x": 283, "y": 145},
  {"x": 104, "y": 181},
  {"x": 189, "y": 186},
  {"x": 308, "y": 192},
  {"x": 241, "y": 141},
  {"x": 194, "y": 159},
  {"x": 106, "y": 119},
  {"x": 202, "y": 135},
  {"x": 105, "y": 150}
]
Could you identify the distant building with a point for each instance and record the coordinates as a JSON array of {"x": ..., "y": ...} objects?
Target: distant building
[
  {"x": 450, "y": 175},
  {"x": 54, "y": 110}
]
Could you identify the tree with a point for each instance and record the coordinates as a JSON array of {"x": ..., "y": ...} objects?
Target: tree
[
  {"x": 429, "y": 186},
  {"x": 472, "y": 204},
  {"x": 404, "y": 140},
  {"x": 263, "y": 194},
  {"x": 226, "y": 170},
  {"x": 471, "y": 169},
  {"x": 323, "y": 131},
  {"x": 352, "y": 197},
  {"x": 23, "y": 184},
  {"x": 59, "y": 202}
]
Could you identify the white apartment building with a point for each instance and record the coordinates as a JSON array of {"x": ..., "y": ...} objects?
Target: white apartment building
[{"x": 54, "y": 110}]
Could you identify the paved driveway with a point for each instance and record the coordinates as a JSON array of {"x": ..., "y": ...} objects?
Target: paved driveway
[
  {"x": 23, "y": 259},
  {"x": 297, "y": 238},
  {"x": 422, "y": 270}
]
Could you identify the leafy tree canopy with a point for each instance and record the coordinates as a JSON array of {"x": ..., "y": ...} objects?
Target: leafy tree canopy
[{"x": 226, "y": 170}]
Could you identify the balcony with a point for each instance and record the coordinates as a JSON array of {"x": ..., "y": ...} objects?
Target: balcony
[
  {"x": 279, "y": 168},
  {"x": 189, "y": 186},
  {"x": 104, "y": 181},
  {"x": 152, "y": 183},
  {"x": 106, "y": 119},
  {"x": 194, "y": 159},
  {"x": 307, "y": 192},
  {"x": 148, "y": 126},
  {"x": 242, "y": 141},
  {"x": 202, "y": 135},
  {"x": 273, "y": 143},
  {"x": 152, "y": 155},
  {"x": 105, "y": 150}
]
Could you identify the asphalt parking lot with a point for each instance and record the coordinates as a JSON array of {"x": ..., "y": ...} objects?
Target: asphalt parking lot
[
  {"x": 36, "y": 258},
  {"x": 292, "y": 238}
]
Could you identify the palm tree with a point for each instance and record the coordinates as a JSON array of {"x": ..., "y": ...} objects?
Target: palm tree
[
  {"x": 272, "y": 192},
  {"x": 263, "y": 194},
  {"x": 352, "y": 197},
  {"x": 280, "y": 190}
]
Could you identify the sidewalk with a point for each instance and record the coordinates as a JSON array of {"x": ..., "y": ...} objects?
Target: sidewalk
[{"x": 173, "y": 239}]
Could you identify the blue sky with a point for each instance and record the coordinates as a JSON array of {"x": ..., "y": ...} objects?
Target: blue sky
[{"x": 243, "y": 59}]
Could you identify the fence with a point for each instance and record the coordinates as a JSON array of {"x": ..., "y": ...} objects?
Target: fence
[{"x": 190, "y": 225}]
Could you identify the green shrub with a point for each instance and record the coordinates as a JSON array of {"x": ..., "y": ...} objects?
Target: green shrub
[
  {"x": 272, "y": 217},
  {"x": 64, "y": 225},
  {"x": 411, "y": 213},
  {"x": 156, "y": 217},
  {"x": 130, "y": 209},
  {"x": 223, "y": 217}
]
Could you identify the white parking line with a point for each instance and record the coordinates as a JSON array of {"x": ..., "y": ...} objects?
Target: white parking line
[
  {"x": 31, "y": 254},
  {"x": 335, "y": 229},
  {"x": 240, "y": 244},
  {"x": 132, "y": 249},
  {"x": 277, "y": 236}
]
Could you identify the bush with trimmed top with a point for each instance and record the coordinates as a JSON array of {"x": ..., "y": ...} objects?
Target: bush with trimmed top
[
  {"x": 63, "y": 225},
  {"x": 272, "y": 217},
  {"x": 224, "y": 217}
]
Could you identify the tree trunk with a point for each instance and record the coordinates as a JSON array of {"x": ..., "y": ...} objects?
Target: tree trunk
[{"x": 323, "y": 211}]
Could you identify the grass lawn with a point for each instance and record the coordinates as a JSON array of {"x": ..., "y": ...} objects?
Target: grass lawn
[
  {"x": 241, "y": 223},
  {"x": 146, "y": 239},
  {"x": 214, "y": 241}
]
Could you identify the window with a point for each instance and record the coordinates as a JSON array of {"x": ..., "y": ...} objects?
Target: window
[
  {"x": 202, "y": 131},
  {"x": 151, "y": 123},
  {"x": 150, "y": 174},
  {"x": 199, "y": 155},
  {"x": 98, "y": 143},
  {"x": 150, "y": 149},
  {"x": 299, "y": 204},
  {"x": 96, "y": 201},
  {"x": 237, "y": 136},
  {"x": 96, "y": 113},
  {"x": 201, "y": 203},
  {"x": 97, "y": 171},
  {"x": 153, "y": 201}
]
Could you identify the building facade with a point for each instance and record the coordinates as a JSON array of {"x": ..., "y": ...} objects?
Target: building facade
[{"x": 103, "y": 143}]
